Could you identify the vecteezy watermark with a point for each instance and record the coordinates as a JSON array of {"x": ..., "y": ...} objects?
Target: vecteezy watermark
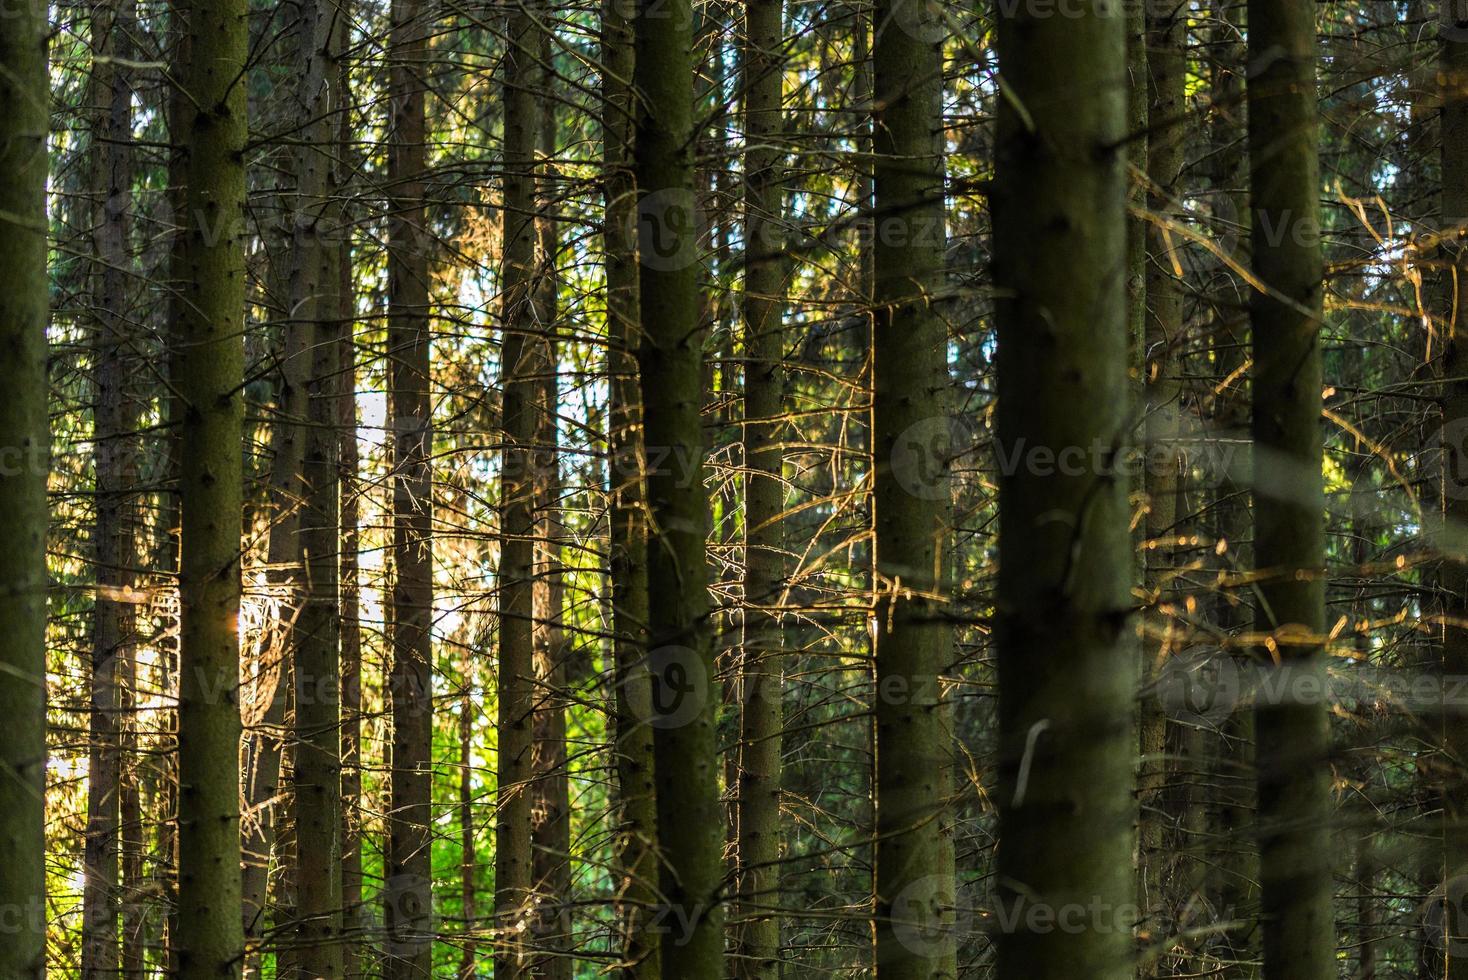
[
  {"x": 668, "y": 226},
  {"x": 927, "y": 916},
  {"x": 22, "y": 918},
  {"x": 1445, "y": 917},
  {"x": 925, "y": 452},
  {"x": 407, "y": 902},
  {"x": 33, "y": 458},
  {"x": 922, "y": 20},
  {"x": 1203, "y": 685}
]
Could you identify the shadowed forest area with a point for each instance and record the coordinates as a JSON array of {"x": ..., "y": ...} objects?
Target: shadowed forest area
[{"x": 712, "y": 490}]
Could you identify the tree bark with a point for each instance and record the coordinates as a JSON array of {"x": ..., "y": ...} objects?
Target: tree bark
[
  {"x": 912, "y": 442},
  {"x": 114, "y": 451},
  {"x": 208, "y": 369},
  {"x": 636, "y": 802},
  {"x": 522, "y": 358},
  {"x": 685, "y": 693},
  {"x": 315, "y": 311},
  {"x": 1065, "y": 651},
  {"x": 1294, "y": 775},
  {"x": 24, "y": 120},
  {"x": 408, "y": 892},
  {"x": 756, "y": 953}
]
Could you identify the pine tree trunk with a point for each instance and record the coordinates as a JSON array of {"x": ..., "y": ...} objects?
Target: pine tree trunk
[
  {"x": 685, "y": 692},
  {"x": 208, "y": 368},
  {"x": 1065, "y": 649},
  {"x": 24, "y": 119},
  {"x": 1167, "y": 36},
  {"x": 468, "y": 859},
  {"x": 115, "y": 459},
  {"x": 1454, "y": 546},
  {"x": 1238, "y": 872},
  {"x": 757, "y": 935},
  {"x": 1289, "y": 528},
  {"x": 912, "y": 440},
  {"x": 408, "y": 891},
  {"x": 265, "y": 692},
  {"x": 522, "y": 358},
  {"x": 636, "y": 803},
  {"x": 349, "y": 494},
  {"x": 351, "y": 626},
  {"x": 550, "y": 804},
  {"x": 314, "y": 312}
]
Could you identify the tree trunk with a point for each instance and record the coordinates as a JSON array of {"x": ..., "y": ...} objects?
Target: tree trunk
[
  {"x": 670, "y": 358},
  {"x": 1294, "y": 775},
  {"x": 408, "y": 891},
  {"x": 522, "y": 357},
  {"x": 315, "y": 311},
  {"x": 550, "y": 804},
  {"x": 208, "y": 369},
  {"x": 550, "y": 818},
  {"x": 24, "y": 120},
  {"x": 757, "y": 936},
  {"x": 1166, "y": 41},
  {"x": 912, "y": 441},
  {"x": 636, "y": 803},
  {"x": 349, "y": 494},
  {"x": 1065, "y": 650},
  {"x": 114, "y": 451}
]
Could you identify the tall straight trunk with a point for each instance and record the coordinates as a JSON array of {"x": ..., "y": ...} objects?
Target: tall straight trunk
[
  {"x": 865, "y": 277},
  {"x": 265, "y": 692},
  {"x": 1238, "y": 872},
  {"x": 315, "y": 311},
  {"x": 911, "y": 430},
  {"x": 1293, "y": 769},
  {"x": 1454, "y": 571},
  {"x": 265, "y": 689},
  {"x": 1166, "y": 41},
  {"x": 114, "y": 451},
  {"x": 522, "y": 356},
  {"x": 468, "y": 858},
  {"x": 1065, "y": 652},
  {"x": 207, "y": 373},
  {"x": 757, "y": 939},
  {"x": 670, "y": 359},
  {"x": 550, "y": 803},
  {"x": 550, "y": 817},
  {"x": 170, "y": 551},
  {"x": 409, "y": 891},
  {"x": 24, "y": 119},
  {"x": 636, "y": 802},
  {"x": 350, "y": 490}
]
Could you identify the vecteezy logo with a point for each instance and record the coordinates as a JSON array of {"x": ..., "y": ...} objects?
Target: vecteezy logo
[
  {"x": 680, "y": 686},
  {"x": 668, "y": 228},
  {"x": 1200, "y": 685},
  {"x": 1445, "y": 920},
  {"x": 926, "y": 918},
  {"x": 921, "y": 20},
  {"x": 923, "y": 455}
]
